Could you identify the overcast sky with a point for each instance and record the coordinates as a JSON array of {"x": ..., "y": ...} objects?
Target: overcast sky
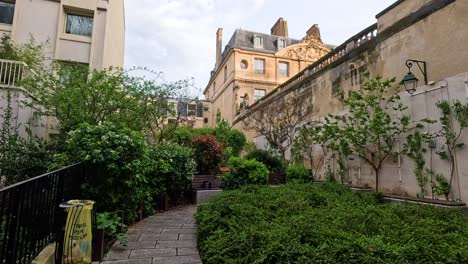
[{"x": 177, "y": 37}]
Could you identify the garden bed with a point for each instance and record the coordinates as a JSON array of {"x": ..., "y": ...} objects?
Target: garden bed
[
  {"x": 326, "y": 223},
  {"x": 423, "y": 201}
]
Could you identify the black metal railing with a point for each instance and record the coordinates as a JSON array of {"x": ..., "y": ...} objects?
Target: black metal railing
[{"x": 29, "y": 214}]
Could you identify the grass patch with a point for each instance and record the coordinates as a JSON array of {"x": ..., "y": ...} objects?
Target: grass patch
[{"x": 326, "y": 223}]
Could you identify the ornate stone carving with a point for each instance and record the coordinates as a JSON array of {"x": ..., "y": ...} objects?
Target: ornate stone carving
[{"x": 310, "y": 49}]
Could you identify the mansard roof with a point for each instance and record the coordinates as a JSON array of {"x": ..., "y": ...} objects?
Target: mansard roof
[{"x": 244, "y": 39}]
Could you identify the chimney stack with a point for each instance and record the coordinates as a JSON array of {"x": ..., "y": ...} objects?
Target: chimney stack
[
  {"x": 314, "y": 32},
  {"x": 280, "y": 28},
  {"x": 219, "y": 44}
]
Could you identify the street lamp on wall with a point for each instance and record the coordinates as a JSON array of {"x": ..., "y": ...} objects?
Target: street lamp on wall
[{"x": 410, "y": 81}]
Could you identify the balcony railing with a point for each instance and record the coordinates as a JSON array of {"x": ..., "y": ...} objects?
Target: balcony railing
[
  {"x": 12, "y": 72},
  {"x": 30, "y": 217}
]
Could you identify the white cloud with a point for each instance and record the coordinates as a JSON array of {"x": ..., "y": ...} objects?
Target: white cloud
[
  {"x": 178, "y": 36},
  {"x": 173, "y": 36}
]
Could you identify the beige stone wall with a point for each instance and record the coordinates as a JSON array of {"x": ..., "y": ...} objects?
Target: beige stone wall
[
  {"x": 436, "y": 39},
  {"x": 400, "y": 11}
]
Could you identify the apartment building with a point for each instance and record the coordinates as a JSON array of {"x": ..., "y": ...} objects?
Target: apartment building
[
  {"x": 84, "y": 33},
  {"x": 253, "y": 64},
  {"x": 90, "y": 32}
]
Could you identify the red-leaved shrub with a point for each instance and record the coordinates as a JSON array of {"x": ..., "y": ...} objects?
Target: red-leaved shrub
[{"x": 208, "y": 153}]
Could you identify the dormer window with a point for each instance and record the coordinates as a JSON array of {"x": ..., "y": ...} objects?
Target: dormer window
[
  {"x": 258, "y": 42},
  {"x": 281, "y": 44}
]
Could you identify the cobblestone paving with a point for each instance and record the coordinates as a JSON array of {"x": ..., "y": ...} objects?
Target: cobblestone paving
[{"x": 167, "y": 238}]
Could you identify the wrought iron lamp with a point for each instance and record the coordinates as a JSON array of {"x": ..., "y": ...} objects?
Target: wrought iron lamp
[{"x": 410, "y": 81}]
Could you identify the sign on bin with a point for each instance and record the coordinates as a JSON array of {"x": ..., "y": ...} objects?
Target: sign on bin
[{"x": 78, "y": 232}]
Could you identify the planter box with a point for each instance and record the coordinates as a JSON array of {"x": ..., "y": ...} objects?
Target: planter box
[
  {"x": 442, "y": 203},
  {"x": 204, "y": 196},
  {"x": 206, "y": 182}
]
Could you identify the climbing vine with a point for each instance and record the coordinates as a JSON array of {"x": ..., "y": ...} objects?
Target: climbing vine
[{"x": 453, "y": 119}]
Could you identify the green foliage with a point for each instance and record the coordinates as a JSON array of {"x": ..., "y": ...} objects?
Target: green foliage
[
  {"x": 451, "y": 132},
  {"x": 415, "y": 150},
  {"x": 112, "y": 225},
  {"x": 208, "y": 154},
  {"x": 441, "y": 186},
  {"x": 31, "y": 52},
  {"x": 183, "y": 135},
  {"x": 172, "y": 169},
  {"x": 120, "y": 157},
  {"x": 326, "y": 223},
  {"x": 296, "y": 172},
  {"x": 374, "y": 123},
  {"x": 232, "y": 139},
  {"x": 20, "y": 158},
  {"x": 244, "y": 172},
  {"x": 271, "y": 161}
]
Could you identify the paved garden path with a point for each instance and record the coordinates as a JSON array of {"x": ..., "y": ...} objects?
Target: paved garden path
[{"x": 167, "y": 238}]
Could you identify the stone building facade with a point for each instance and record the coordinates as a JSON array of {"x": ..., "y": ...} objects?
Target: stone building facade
[
  {"x": 428, "y": 30},
  {"x": 253, "y": 64}
]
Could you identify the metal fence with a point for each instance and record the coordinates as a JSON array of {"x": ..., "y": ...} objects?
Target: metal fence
[{"x": 29, "y": 214}]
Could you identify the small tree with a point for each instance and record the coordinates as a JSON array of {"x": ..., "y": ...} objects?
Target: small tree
[
  {"x": 278, "y": 121},
  {"x": 452, "y": 131},
  {"x": 375, "y": 122}
]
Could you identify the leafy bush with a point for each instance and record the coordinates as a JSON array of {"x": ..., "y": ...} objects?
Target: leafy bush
[
  {"x": 208, "y": 154},
  {"x": 441, "y": 186},
  {"x": 183, "y": 135},
  {"x": 296, "y": 172},
  {"x": 272, "y": 162},
  {"x": 244, "y": 172},
  {"x": 172, "y": 169},
  {"x": 326, "y": 223},
  {"x": 120, "y": 157},
  {"x": 233, "y": 140},
  {"x": 112, "y": 225},
  {"x": 20, "y": 158}
]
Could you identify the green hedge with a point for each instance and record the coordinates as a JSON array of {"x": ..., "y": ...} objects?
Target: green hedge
[
  {"x": 326, "y": 223},
  {"x": 244, "y": 172},
  {"x": 298, "y": 173},
  {"x": 272, "y": 162}
]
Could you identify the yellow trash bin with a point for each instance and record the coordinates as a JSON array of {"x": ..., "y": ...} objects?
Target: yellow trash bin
[{"x": 77, "y": 246}]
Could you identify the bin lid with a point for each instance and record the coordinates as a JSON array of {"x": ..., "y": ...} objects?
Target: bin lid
[{"x": 87, "y": 204}]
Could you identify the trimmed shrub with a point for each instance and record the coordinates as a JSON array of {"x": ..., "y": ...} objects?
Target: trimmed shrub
[
  {"x": 172, "y": 169},
  {"x": 208, "y": 154},
  {"x": 272, "y": 162},
  {"x": 244, "y": 172},
  {"x": 326, "y": 223},
  {"x": 296, "y": 172}
]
